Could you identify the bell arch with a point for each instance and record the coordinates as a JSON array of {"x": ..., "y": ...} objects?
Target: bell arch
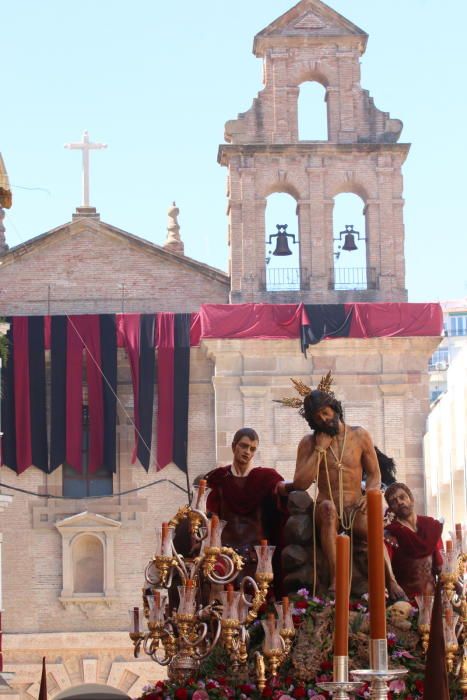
[
  {"x": 312, "y": 112},
  {"x": 351, "y": 270},
  {"x": 282, "y": 243}
]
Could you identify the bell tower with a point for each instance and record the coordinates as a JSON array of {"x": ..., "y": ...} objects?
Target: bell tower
[{"x": 362, "y": 156}]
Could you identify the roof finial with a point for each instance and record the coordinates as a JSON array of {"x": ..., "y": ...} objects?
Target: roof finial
[
  {"x": 173, "y": 242},
  {"x": 5, "y": 203}
]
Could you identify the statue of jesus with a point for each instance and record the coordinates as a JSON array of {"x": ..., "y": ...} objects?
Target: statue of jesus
[{"x": 335, "y": 455}]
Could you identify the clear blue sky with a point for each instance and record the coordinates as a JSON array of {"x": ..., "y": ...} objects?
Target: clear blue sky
[{"x": 157, "y": 80}]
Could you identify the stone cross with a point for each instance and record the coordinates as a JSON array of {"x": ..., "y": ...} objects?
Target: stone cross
[{"x": 85, "y": 146}]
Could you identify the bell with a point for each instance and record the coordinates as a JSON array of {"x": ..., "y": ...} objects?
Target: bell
[
  {"x": 282, "y": 245},
  {"x": 349, "y": 242}
]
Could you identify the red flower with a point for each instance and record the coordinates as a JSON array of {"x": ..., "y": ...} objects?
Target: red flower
[
  {"x": 222, "y": 680},
  {"x": 181, "y": 694},
  {"x": 210, "y": 685},
  {"x": 301, "y": 604},
  {"x": 391, "y": 642},
  {"x": 420, "y": 686},
  {"x": 326, "y": 665},
  {"x": 267, "y": 692},
  {"x": 246, "y": 688},
  {"x": 299, "y": 692}
]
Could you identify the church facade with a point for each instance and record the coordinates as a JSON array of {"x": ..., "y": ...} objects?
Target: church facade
[{"x": 72, "y": 565}]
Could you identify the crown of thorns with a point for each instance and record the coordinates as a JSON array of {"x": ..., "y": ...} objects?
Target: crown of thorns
[{"x": 303, "y": 390}]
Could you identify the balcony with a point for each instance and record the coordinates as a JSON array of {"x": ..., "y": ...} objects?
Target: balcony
[
  {"x": 352, "y": 278},
  {"x": 280, "y": 279}
]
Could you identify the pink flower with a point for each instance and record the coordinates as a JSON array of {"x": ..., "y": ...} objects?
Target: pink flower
[
  {"x": 397, "y": 686},
  {"x": 200, "y": 695}
]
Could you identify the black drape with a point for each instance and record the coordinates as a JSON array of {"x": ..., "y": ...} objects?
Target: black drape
[
  {"x": 108, "y": 338},
  {"x": 8, "y": 406},
  {"x": 58, "y": 346},
  {"x": 325, "y": 321},
  {"x": 37, "y": 403},
  {"x": 181, "y": 389}
]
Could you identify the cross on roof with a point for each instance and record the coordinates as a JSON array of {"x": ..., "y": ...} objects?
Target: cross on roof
[{"x": 85, "y": 146}]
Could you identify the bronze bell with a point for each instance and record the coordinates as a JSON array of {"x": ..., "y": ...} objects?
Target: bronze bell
[
  {"x": 282, "y": 244},
  {"x": 349, "y": 242}
]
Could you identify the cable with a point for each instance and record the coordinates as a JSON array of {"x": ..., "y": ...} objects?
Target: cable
[{"x": 93, "y": 498}]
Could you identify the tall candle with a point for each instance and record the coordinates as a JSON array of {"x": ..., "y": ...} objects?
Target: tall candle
[
  {"x": 449, "y": 546},
  {"x": 136, "y": 620},
  {"x": 376, "y": 584},
  {"x": 459, "y": 532},
  {"x": 341, "y": 628},
  {"x": 230, "y": 593},
  {"x": 285, "y": 605},
  {"x": 214, "y": 526},
  {"x": 201, "y": 490}
]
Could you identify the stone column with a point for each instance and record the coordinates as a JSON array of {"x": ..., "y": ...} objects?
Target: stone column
[
  {"x": 373, "y": 237},
  {"x": 318, "y": 228}
]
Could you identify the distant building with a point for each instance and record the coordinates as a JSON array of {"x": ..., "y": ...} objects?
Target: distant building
[{"x": 445, "y": 442}]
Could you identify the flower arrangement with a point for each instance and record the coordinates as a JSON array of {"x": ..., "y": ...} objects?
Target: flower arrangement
[{"x": 311, "y": 660}]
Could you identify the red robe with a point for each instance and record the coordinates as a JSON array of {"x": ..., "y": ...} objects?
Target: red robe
[
  {"x": 425, "y": 543},
  {"x": 251, "y": 508}
]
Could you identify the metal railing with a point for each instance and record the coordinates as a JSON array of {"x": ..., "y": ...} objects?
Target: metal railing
[
  {"x": 352, "y": 278},
  {"x": 275, "y": 279}
]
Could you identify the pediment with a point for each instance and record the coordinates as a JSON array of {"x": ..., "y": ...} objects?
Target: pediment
[
  {"x": 118, "y": 244},
  {"x": 308, "y": 20},
  {"x": 87, "y": 521}
]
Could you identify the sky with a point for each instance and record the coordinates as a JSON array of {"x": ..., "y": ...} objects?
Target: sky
[{"x": 156, "y": 81}]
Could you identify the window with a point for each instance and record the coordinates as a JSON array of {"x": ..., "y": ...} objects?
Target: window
[
  {"x": 84, "y": 484},
  {"x": 458, "y": 325},
  {"x": 439, "y": 359}
]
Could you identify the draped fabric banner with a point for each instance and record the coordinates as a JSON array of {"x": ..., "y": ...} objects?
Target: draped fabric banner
[
  {"x": 136, "y": 333},
  {"x": 145, "y": 336},
  {"x": 23, "y": 400},
  {"x": 8, "y": 426},
  {"x": 325, "y": 321},
  {"x": 173, "y": 353}
]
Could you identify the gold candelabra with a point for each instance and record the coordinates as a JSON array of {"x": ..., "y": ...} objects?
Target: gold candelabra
[
  {"x": 184, "y": 614},
  {"x": 454, "y": 582}
]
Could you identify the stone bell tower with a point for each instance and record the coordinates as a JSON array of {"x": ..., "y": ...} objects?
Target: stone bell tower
[{"x": 263, "y": 154}]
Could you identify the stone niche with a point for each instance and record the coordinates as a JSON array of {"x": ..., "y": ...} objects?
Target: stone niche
[{"x": 88, "y": 561}]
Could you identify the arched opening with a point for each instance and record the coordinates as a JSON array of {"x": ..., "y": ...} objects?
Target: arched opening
[
  {"x": 88, "y": 565},
  {"x": 350, "y": 270},
  {"x": 282, "y": 269},
  {"x": 91, "y": 691},
  {"x": 312, "y": 112}
]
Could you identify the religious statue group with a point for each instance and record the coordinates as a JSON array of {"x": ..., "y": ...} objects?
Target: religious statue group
[{"x": 343, "y": 463}]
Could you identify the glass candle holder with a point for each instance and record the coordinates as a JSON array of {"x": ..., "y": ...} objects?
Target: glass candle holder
[
  {"x": 449, "y": 560},
  {"x": 157, "y": 603},
  {"x": 200, "y": 496},
  {"x": 272, "y": 638},
  {"x": 136, "y": 620},
  {"x": 284, "y": 614},
  {"x": 216, "y": 528},
  {"x": 187, "y": 595},
  {"x": 264, "y": 553},
  {"x": 164, "y": 539},
  {"x": 449, "y": 627},
  {"x": 230, "y": 604},
  {"x": 425, "y": 607}
]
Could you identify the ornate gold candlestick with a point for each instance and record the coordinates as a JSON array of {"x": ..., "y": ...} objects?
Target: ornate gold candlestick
[
  {"x": 180, "y": 637},
  {"x": 340, "y": 686}
]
